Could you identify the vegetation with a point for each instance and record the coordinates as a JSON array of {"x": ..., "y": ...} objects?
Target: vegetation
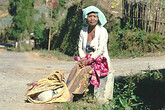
[
  {"x": 61, "y": 4},
  {"x": 134, "y": 42},
  {"x": 41, "y": 33},
  {"x": 67, "y": 42},
  {"x": 41, "y": 28},
  {"x": 141, "y": 91},
  {"x": 134, "y": 92},
  {"x": 22, "y": 12},
  {"x": 50, "y": 54},
  {"x": 124, "y": 40}
]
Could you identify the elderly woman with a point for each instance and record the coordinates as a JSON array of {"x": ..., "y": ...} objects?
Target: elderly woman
[{"x": 94, "y": 68}]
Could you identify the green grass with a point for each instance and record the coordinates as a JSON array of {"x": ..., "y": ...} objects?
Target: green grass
[
  {"x": 84, "y": 103},
  {"x": 54, "y": 54},
  {"x": 80, "y": 105},
  {"x": 134, "y": 92}
]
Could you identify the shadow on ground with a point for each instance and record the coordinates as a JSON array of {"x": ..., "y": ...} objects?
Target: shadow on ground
[{"x": 149, "y": 88}]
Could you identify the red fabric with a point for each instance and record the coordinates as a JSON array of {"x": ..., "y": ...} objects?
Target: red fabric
[{"x": 100, "y": 68}]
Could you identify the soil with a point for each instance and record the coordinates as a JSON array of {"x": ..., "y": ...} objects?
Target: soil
[
  {"x": 20, "y": 69},
  {"x": 4, "y": 14},
  {"x": 17, "y": 71}
]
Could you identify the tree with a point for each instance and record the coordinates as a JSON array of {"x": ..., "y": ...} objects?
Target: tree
[
  {"x": 22, "y": 12},
  {"x": 40, "y": 31}
]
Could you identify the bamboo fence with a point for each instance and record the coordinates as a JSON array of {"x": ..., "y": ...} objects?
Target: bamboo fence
[{"x": 145, "y": 14}]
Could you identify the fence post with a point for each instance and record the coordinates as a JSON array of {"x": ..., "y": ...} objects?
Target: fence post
[
  {"x": 148, "y": 15},
  {"x": 145, "y": 15}
]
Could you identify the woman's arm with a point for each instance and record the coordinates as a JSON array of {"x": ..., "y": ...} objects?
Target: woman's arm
[
  {"x": 80, "y": 45},
  {"x": 102, "y": 42}
]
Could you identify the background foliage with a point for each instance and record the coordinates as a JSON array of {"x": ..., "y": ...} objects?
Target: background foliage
[
  {"x": 67, "y": 39},
  {"x": 124, "y": 40},
  {"x": 22, "y": 12},
  {"x": 134, "y": 42},
  {"x": 133, "y": 92},
  {"x": 41, "y": 32}
]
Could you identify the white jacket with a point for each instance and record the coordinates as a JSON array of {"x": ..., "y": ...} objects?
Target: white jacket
[{"x": 99, "y": 43}]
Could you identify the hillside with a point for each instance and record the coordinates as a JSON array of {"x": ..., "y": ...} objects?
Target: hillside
[
  {"x": 113, "y": 7},
  {"x": 6, "y": 19}
]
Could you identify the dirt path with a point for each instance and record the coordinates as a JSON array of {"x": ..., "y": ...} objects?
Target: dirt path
[
  {"x": 138, "y": 65},
  {"x": 17, "y": 70},
  {"x": 4, "y": 14}
]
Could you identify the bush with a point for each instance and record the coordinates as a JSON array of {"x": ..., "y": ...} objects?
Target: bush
[
  {"x": 133, "y": 42},
  {"x": 67, "y": 39},
  {"x": 139, "y": 92}
]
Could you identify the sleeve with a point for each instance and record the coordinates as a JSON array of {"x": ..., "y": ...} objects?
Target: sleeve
[
  {"x": 80, "y": 45},
  {"x": 102, "y": 43}
]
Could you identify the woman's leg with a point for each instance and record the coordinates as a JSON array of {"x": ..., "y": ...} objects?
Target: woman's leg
[
  {"x": 72, "y": 74},
  {"x": 78, "y": 80}
]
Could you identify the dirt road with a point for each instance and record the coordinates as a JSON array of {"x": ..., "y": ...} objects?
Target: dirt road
[{"x": 17, "y": 70}]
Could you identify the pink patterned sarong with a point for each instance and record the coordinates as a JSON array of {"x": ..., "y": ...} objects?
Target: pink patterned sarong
[{"x": 100, "y": 68}]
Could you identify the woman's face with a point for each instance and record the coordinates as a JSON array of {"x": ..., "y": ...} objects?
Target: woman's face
[{"x": 92, "y": 19}]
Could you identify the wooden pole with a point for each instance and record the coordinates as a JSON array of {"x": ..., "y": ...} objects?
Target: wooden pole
[
  {"x": 145, "y": 13},
  {"x": 137, "y": 14},
  {"x": 149, "y": 17},
  {"x": 163, "y": 25},
  {"x": 153, "y": 18},
  {"x": 50, "y": 26},
  {"x": 159, "y": 17},
  {"x": 123, "y": 10},
  {"x": 142, "y": 13},
  {"x": 133, "y": 9}
]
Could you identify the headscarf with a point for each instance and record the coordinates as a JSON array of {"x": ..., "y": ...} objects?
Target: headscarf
[{"x": 100, "y": 15}]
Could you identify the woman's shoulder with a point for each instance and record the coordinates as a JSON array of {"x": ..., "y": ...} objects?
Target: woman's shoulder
[
  {"x": 84, "y": 29},
  {"x": 102, "y": 29}
]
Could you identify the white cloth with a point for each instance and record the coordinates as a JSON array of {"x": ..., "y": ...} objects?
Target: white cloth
[
  {"x": 99, "y": 43},
  {"x": 100, "y": 15}
]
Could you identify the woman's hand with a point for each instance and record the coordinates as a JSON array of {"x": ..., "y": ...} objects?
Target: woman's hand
[
  {"x": 81, "y": 65},
  {"x": 89, "y": 61},
  {"x": 82, "y": 59},
  {"x": 82, "y": 62}
]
